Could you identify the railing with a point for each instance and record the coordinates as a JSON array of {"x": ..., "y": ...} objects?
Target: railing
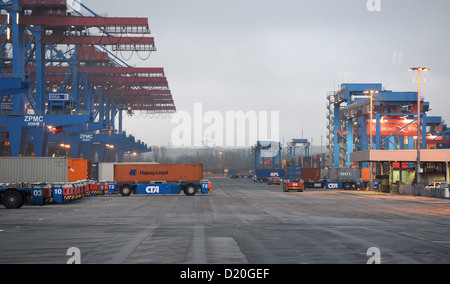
[{"x": 418, "y": 190}]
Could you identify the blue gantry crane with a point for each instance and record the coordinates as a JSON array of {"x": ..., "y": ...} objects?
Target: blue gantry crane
[
  {"x": 297, "y": 148},
  {"x": 267, "y": 155},
  {"x": 62, "y": 83}
]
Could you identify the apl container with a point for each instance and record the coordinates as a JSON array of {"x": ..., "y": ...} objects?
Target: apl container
[
  {"x": 145, "y": 173},
  {"x": 43, "y": 170},
  {"x": 268, "y": 173}
]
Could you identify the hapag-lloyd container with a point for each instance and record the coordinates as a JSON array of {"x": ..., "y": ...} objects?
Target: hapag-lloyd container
[
  {"x": 146, "y": 173},
  {"x": 45, "y": 170},
  {"x": 106, "y": 170}
]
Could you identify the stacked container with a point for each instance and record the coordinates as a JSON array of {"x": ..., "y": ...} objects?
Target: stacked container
[{"x": 48, "y": 170}]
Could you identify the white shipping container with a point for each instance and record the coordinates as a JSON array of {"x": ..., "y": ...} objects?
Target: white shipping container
[
  {"x": 106, "y": 171},
  {"x": 33, "y": 170},
  {"x": 344, "y": 174}
]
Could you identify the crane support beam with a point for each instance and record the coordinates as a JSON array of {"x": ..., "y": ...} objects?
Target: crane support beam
[
  {"x": 114, "y": 81},
  {"x": 111, "y": 24},
  {"x": 120, "y": 43},
  {"x": 104, "y": 71}
]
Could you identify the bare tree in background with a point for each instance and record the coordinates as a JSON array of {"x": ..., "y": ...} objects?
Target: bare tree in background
[{"x": 237, "y": 160}]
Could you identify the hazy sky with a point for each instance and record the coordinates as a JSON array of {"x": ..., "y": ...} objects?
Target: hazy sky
[{"x": 285, "y": 55}]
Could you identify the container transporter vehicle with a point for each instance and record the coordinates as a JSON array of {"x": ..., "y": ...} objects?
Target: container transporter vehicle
[
  {"x": 338, "y": 178},
  {"x": 160, "y": 179},
  {"x": 46, "y": 180},
  {"x": 61, "y": 180}
]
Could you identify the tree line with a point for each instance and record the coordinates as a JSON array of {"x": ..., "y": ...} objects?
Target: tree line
[{"x": 214, "y": 160}]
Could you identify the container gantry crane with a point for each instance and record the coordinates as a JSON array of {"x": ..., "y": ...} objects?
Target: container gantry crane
[
  {"x": 60, "y": 80},
  {"x": 394, "y": 123},
  {"x": 297, "y": 148}
]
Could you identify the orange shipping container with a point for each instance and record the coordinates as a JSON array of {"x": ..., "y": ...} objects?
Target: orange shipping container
[
  {"x": 78, "y": 169},
  {"x": 145, "y": 173},
  {"x": 365, "y": 174}
]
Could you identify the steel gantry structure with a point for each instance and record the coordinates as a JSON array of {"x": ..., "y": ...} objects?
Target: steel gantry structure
[
  {"x": 267, "y": 155},
  {"x": 394, "y": 122},
  {"x": 62, "y": 83},
  {"x": 298, "y": 148}
]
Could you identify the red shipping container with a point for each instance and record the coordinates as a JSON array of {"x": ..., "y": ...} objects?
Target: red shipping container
[{"x": 311, "y": 174}]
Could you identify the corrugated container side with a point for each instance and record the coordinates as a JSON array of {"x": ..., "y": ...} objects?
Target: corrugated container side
[
  {"x": 294, "y": 172},
  {"x": 143, "y": 173},
  {"x": 312, "y": 174},
  {"x": 77, "y": 170},
  {"x": 365, "y": 174},
  {"x": 344, "y": 174},
  {"x": 31, "y": 169},
  {"x": 106, "y": 170},
  {"x": 270, "y": 173},
  {"x": 90, "y": 169}
]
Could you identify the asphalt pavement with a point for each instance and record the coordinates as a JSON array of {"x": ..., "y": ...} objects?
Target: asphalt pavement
[{"x": 240, "y": 222}]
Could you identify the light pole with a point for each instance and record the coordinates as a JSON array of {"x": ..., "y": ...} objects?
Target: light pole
[
  {"x": 371, "y": 92},
  {"x": 220, "y": 161},
  {"x": 419, "y": 115}
]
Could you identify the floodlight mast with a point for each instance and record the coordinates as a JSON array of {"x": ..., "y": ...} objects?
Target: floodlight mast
[{"x": 419, "y": 115}]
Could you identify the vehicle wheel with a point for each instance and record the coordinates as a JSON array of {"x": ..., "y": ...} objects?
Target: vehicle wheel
[
  {"x": 12, "y": 199},
  {"x": 190, "y": 190},
  {"x": 126, "y": 190},
  {"x": 347, "y": 186}
]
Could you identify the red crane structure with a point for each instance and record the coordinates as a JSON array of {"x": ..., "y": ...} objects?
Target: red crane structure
[{"x": 90, "y": 37}]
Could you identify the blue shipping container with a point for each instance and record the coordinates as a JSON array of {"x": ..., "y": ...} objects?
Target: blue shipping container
[
  {"x": 294, "y": 172},
  {"x": 270, "y": 173}
]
